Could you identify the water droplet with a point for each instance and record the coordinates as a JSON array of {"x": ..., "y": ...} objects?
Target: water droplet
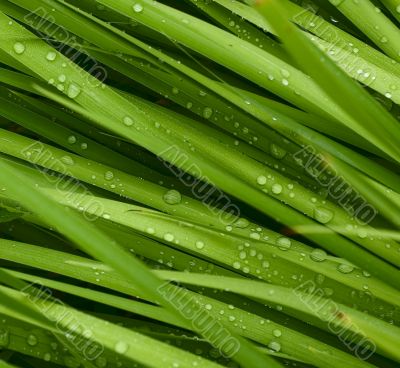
[
  {"x": 284, "y": 243},
  {"x": 277, "y": 151},
  {"x": 137, "y": 8},
  {"x": 318, "y": 255},
  {"x": 199, "y": 244},
  {"x": 345, "y": 268},
  {"x": 275, "y": 346},
  {"x": 277, "y": 189},
  {"x": 47, "y": 357},
  {"x": 128, "y": 121},
  {"x": 71, "y": 139},
  {"x": 109, "y": 175},
  {"x": 172, "y": 197},
  {"x": 207, "y": 112},
  {"x": 150, "y": 230},
  {"x": 73, "y": 90},
  {"x": 169, "y": 237},
  {"x": 32, "y": 340},
  {"x": 121, "y": 347},
  {"x": 236, "y": 265},
  {"x": 241, "y": 223},
  {"x": 19, "y": 48},
  {"x": 62, "y": 78},
  {"x": 277, "y": 333},
  {"x": 67, "y": 160},
  {"x": 51, "y": 56},
  {"x": 323, "y": 215},
  {"x": 261, "y": 180}
]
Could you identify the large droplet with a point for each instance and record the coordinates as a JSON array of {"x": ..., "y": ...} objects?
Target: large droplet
[
  {"x": 109, "y": 175},
  {"x": 277, "y": 189},
  {"x": 241, "y": 223},
  {"x": 345, "y": 268},
  {"x": 67, "y": 160},
  {"x": 51, "y": 56},
  {"x": 323, "y": 215},
  {"x": 121, "y": 347},
  {"x": 275, "y": 346},
  {"x": 128, "y": 121},
  {"x": 169, "y": 237},
  {"x": 73, "y": 90},
  {"x": 284, "y": 243},
  {"x": 19, "y": 48},
  {"x": 261, "y": 180},
  {"x": 318, "y": 255},
  {"x": 172, "y": 197}
]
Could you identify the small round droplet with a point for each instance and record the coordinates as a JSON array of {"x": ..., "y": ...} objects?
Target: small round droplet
[
  {"x": 51, "y": 56},
  {"x": 169, "y": 237},
  {"x": 277, "y": 333},
  {"x": 32, "y": 340},
  {"x": 199, "y": 244},
  {"x": 71, "y": 139},
  {"x": 128, "y": 121},
  {"x": 62, "y": 78},
  {"x": 207, "y": 112},
  {"x": 137, "y": 8}
]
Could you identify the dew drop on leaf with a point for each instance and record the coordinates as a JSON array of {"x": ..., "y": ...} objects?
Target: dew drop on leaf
[
  {"x": 345, "y": 268},
  {"x": 19, "y": 48},
  {"x": 32, "y": 340},
  {"x": 172, "y": 197},
  {"x": 318, "y": 255},
  {"x": 109, "y": 175},
  {"x": 73, "y": 90},
  {"x": 323, "y": 215},
  {"x": 121, "y": 347},
  {"x": 261, "y": 180},
  {"x": 51, "y": 56},
  {"x": 277, "y": 189},
  {"x": 284, "y": 243},
  {"x": 137, "y": 8}
]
